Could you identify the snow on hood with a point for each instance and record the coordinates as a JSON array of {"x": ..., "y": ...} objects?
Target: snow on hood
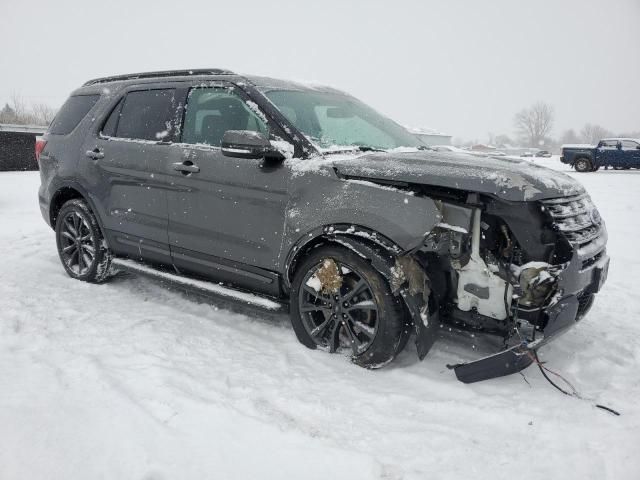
[{"x": 513, "y": 180}]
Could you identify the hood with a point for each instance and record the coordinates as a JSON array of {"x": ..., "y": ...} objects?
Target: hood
[{"x": 513, "y": 180}]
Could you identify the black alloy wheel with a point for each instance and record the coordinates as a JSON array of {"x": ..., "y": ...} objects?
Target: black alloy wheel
[
  {"x": 344, "y": 318},
  {"x": 81, "y": 246},
  {"x": 341, "y": 303},
  {"x": 583, "y": 165},
  {"x": 78, "y": 244}
]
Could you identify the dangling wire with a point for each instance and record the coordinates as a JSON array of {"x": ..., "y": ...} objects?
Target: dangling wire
[{"x": 574, "y": 393}]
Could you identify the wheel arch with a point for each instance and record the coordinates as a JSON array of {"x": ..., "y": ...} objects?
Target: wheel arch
[
  {"x": 383, "y": 254},
  {"x": 69, "y": 191},
  {"x": 348, "y": 235}
]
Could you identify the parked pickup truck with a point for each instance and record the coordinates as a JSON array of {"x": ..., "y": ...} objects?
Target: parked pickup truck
[{"x": 619, "y": 153}]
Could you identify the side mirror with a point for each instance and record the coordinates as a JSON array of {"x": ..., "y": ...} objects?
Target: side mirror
[{"x": 248, "y": 144}]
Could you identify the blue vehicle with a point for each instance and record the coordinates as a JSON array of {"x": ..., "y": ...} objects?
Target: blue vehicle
[{"x": 619, "y": 153}]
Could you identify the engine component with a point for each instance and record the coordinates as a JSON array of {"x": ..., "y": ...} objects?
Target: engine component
[{"x": 479, "y": 287}]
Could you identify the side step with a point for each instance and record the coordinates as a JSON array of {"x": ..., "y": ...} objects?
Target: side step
[{"x": 224, "y": 296}]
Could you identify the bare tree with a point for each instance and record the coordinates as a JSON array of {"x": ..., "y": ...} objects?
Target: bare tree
[
  {"x": 502, "y": 140},
  {"x": 7, "y": 114},
  {"x": 569, "y": 136},
  {"x": 534, "y": 123},
  {"x": 17, "y": 111},
  {"x": 19, "y": 106},
  {"x": 43, "y": 113},
  {"x": 593, "y": 133}
]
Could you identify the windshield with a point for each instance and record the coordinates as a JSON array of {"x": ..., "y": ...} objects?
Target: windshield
[{"x": 335, "y": 121}]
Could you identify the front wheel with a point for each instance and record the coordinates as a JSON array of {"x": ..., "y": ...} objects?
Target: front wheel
[
  {"x": 583, "y": 165},
  {"x": 81, "y": 246},
  {"x": 339, "y": 302}
]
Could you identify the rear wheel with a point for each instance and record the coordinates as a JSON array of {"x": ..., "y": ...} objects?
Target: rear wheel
[
  {"x": 583, "y": 165},
  {"x": 339, "y": 302},
  {"x": 81, "y": 246}
]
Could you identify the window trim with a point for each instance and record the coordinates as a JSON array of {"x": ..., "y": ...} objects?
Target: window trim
[
  {"x": 120, "y": 98},
  {"x": 214, "y": 84},
  {"x": 246, "y": 94}
]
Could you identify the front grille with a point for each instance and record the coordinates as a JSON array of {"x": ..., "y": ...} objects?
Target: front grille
[{"x": 576, "y": 218}]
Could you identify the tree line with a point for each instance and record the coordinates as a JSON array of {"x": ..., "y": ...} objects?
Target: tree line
[
  {"x": 17, "y": 111},
  {"x": 533, "y": 126}
]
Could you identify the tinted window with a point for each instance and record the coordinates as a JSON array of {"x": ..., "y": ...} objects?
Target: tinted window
[
  {"x": 73, "y": 110},
  {"x": 609, "y": 143},
  {"x": 629, "y": 145},
  {"x": 147, "y": 115},
  {"x": 213, "y": 111}
]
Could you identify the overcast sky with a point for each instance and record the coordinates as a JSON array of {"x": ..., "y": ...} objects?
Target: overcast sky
[{"x": 463, "y": 67}]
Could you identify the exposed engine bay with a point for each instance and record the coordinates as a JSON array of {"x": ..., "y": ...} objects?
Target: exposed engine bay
[
  {"x": 498, "y": 267},
  {"x": 480, "y": 272}
]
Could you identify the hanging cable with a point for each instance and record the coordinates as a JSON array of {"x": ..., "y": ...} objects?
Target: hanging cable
[{"x": 574, "y": 393}]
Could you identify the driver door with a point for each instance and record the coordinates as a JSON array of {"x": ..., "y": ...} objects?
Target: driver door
[{"x": 226, "y": 215}]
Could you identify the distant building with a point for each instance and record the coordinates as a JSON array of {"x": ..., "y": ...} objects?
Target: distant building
[
  {"x": 430, "y": 136},
  {"x": 17, "y": 146},
  {"x": 481, "y": 147}
]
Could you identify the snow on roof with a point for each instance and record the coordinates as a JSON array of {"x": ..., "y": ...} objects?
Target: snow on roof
[
  {"x": 10, "y": 127},
  {"x": 578, "y": 145},
  {"x": 622, "y": 138}
]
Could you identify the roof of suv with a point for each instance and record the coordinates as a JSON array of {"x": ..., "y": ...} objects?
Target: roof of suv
[
  {"x": 263, "y": 83},
  {"x": 159, "y": 74}
]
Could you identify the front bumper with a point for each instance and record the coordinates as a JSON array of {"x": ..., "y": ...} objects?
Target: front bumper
[{"x": 577, "y": 284}]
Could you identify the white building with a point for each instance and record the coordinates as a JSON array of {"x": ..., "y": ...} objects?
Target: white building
[{"x": 430, "y": 136}]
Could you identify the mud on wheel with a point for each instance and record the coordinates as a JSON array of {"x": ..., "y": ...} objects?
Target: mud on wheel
[
  {"x": 339, "y": 302},
  {"x": 81, "y": 246}
]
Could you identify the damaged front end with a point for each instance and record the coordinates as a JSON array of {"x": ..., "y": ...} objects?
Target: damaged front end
[{"x": 525, "y": 271}]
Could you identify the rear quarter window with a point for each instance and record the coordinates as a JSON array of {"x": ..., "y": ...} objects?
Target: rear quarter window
[
  {"x": 146, "y": 115},
  {"x": 71, "y": 113}
]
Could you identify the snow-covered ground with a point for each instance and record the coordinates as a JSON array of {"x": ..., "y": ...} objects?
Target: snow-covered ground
[{"x": 129, "y": 380}]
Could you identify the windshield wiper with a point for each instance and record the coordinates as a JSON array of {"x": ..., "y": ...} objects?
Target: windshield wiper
[
  {"x": 364, "y": 148},
  {"x": 351, "y": 148}
]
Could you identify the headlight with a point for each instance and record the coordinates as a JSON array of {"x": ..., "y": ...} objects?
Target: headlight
[{"x": 537, "y": 283}]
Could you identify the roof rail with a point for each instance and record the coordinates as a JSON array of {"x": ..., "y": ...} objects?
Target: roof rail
[{"x": 162, "y": 73}]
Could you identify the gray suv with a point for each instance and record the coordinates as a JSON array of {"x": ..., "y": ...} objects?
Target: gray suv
[{"x": 304, "y": 197}]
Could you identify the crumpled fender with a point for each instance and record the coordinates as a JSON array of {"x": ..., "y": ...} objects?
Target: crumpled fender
[{"x": 403, "y": 283}]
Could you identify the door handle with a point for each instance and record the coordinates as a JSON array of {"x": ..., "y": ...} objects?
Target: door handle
[
  {"x": 186, "y": 167},
  {"x": 95, "y": 154}
]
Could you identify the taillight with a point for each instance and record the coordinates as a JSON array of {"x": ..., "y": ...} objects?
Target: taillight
[{"x": 40, "y": 144}]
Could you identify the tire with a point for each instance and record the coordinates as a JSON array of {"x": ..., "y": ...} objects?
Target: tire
[
  {"x": 77, "y": 230},
  {"x": 583, "y": 165},
  {"x": 370, "y": 322}
]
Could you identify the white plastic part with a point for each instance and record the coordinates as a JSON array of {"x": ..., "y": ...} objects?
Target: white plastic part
[{"x": 477, "y": 276}]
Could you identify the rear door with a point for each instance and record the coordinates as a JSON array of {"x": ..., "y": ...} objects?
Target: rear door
[
  {"x": 130, "y": 150},
  {"x": 630, "y": 153},
  {"x": 608, "y": 153},
  {"x": 226, "y": 215}
]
